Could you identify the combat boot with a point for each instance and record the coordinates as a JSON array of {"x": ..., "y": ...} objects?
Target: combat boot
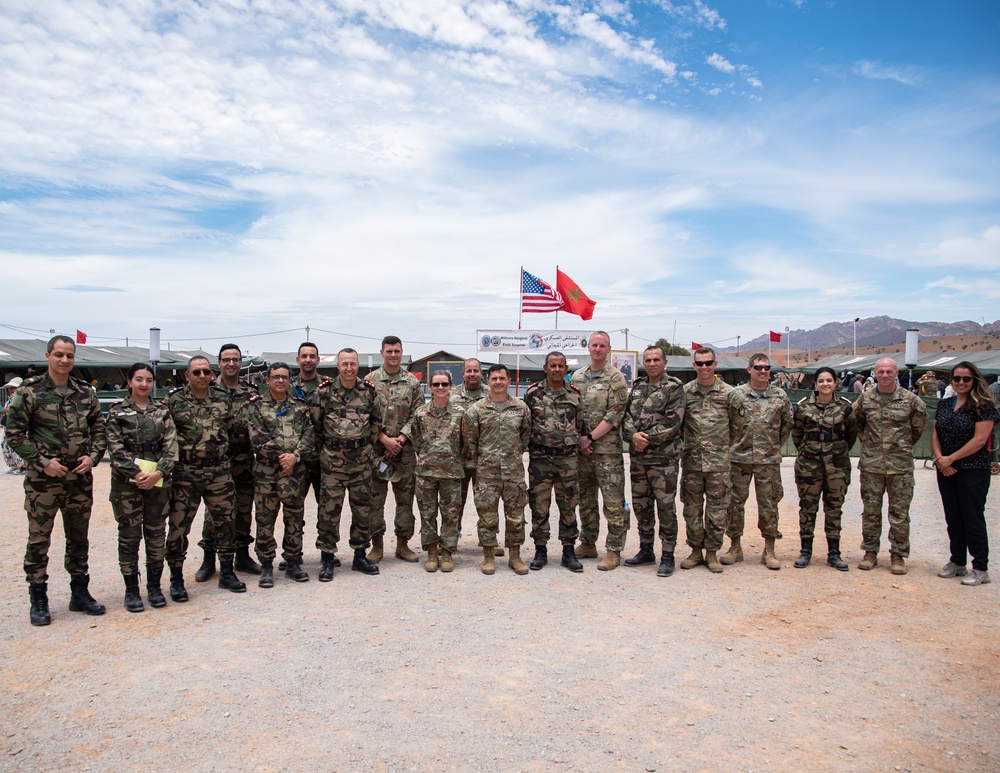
[
  {"x": 295, "y": 572},
  {"x": 515, "y": 562},
  {"x": 360, "y": 564},
  {"x": 735, "y": 553},
  {"x": 586, "y": 550},
  {"x": 326, "y": 569},
  {"x": 207, "y": 569},
  {"x": 266, "y": 575},
  {"x": 833, "y": 555},
  {"x": 806, "y": 553},
  {"x": 870, "y": 561},
  {"x": 446, "y": 562},
  {"x": 498, "y": 550},
  {"x": 898, "y": 565},
  {"x": 666, "y": 567},
  {"x": 489, "y": 562},
  {"x": 767, "y": 557},
  {"x": 569, "y": 559},
  {"x": 693, "y": 560},
  {"x": 644, "y": 556},
  {"x": 153, "y": 592},
  {"x": 431, "y": 564},
  {"x": 133, "y": 601},
  {"x": 80, "y": 599},
  {"x": 38, "y": 593},
  {"x": 244, "y": 563},
  {"x": 403, "y": 552},
  {"x": 375, "y": 554},
  {"x": 712, "y": 561},
  {"x": 541, "y": 557},
  {"x": 612, "y": 559},
  {"x": 177, "y": 591},
  {"x": 227, "y": 577}
]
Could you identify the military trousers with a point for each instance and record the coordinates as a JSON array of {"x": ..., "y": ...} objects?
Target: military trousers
[
  {"x": 350, "y": 477},
  {"x": 444, "y": 496},
  {"x": 274, "y": 491},
  {"x": 141, "y": 515},
  {"x": 654, "y": 488},
  {"x": 241, "y": 469},
  {"x": 705, "y": 496},
  {"x": 187, "y": 490},
  {"x": 403, "y": 490},
  {"x": 545, "y": 475},
  {"x": 816, "y": 481},
  {"x": 769, "y": 491},
  {"x": 899, "y": 487},
  {"x": 487, "y": 494},
  {"x": 604, "y": 473},
  {"x": 43, "y": 498}
]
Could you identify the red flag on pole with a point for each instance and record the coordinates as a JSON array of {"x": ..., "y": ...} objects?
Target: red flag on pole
[
  {"x": 695, "y": 346},
  {"x": 775, "y": 337},
  {"x": 575, "y": 300},
  {"x": 81, "y": 337}
]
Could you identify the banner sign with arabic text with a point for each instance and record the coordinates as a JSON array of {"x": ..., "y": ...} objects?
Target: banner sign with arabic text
[{"x": 532, "y": 341}]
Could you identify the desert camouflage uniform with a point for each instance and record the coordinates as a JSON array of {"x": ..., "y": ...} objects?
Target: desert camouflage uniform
[
  {"x": 240, "y": 463},
  {"x": 657, "y": 410},
  {"x": 556, "y": 426},
  {"x": 306, "y": 391},
  {"x": 204, "y": 426},
  {"x": 889, "y": 427},
  {"x": 465, "y": 397},
  {"x": 437, "y": 440},
  {"x": 496, "y": 437},
  {"x": 347, "y": 422},
  {"x": 399, "y": 397},
  {"x": 135, "y": 433},
  {"x": 604, "y": 396},
  {"x": 45, "y": 422},
  {"x": 275, "y": 429},
  {"x": 823, "y": 434}
]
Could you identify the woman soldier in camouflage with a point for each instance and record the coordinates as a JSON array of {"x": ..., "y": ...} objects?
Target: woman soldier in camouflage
[
  {"x": 824, "y": 431},
  {"x": 139, "y": 428}
]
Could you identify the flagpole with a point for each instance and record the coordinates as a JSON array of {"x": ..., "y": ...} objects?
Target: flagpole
[
  {"x": 520, "y": 297},
  {"x": 769, "y": 343},
  {"x": 556, "y": 285}
]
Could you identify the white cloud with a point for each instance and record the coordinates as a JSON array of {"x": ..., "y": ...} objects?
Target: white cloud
[
  {"x": 719, "y": 62},
  {"x": 981, "y": 251},
  {"x": 873, "y": 70}
]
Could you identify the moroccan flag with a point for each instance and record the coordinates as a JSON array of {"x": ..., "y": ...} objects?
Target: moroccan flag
[
  {"x": 695, "y": 347},
  {"x": 81, "y": 337},
  {"x": 575, "y": 300},
  {"x": 775, "y": 337}
]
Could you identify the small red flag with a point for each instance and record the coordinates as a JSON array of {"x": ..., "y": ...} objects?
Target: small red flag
[
  {"x": 81, "y": 337},
  {"x": 695, "y": 347},
  {"x": 575, "y": 300},
  {"x": 775, "y": 337}
]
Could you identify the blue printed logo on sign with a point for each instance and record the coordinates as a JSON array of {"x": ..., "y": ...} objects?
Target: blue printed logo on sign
[{"x": 486, "y": 340}]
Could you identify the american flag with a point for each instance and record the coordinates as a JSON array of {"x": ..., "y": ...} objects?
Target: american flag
[{"x": 537, "y": 296}]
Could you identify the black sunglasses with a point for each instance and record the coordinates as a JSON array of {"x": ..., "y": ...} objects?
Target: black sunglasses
[
  {"x": 703, "y": 363},
  {"x": 201, "y": 372},
  {"x": 440, "y": 384},
  {"x": 761, "y": 367},
  {"x": 962, "y": 379}
]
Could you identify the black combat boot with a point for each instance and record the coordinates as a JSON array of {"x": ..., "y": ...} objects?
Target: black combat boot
[
  {"x": 244, "y": 563},
  {"x": 266, "y": 575},
  {"x": 38, "y": 593},
  {"x": 326, "y": 568},
  {"x": 294, "y": 571},
  {"x": 207, "y": 569},
  {"x": 833, "y": 555},
  {"x": 541, "y": 557},
  {"x": 177, "y": 591},
  {"x": 80, "y": 599},
  {"x": 644, "y": 556},
  {"x": 361, "y": 563},
  {"x": 806, "y": 554},
  {"x": 227, "y": 577},
  {"x": 569, "y": 559},
  {"x": 153, "y": 592},
  {"x": 133, "y": 601},
  {"x": 666, "y": 567}
]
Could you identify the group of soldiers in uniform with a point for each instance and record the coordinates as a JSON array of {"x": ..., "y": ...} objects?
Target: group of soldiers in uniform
[{"x": 226, "y": 444}]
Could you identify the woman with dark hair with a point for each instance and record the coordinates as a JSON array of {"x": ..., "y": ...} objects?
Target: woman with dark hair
[
  {"x": 142, "y": 445},
  {"x": 961, "y": 429},
  {"x": 824, "y": 430}
]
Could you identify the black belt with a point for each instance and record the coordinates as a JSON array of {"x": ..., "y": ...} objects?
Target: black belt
[
  {"x": 824, "y": 437},
  {"x": 345, "y": 445},
  {"x": 145, "y": 447},
  {"x": 552, "y": 450}
]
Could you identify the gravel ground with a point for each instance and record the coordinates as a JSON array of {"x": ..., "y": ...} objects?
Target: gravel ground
[{"x": 748, "y": 670}]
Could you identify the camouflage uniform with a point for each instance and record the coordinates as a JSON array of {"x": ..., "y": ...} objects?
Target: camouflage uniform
[
  {"x": 496, "y": 437},
  {"x": 757, "y": 455},
  {"x": 136, "y": 433},
  {"x": 604, "y": 396},
  {"x": 657, "y": 410},
  {"x": 347, "y": 422},
  {"x": 889, "y": 426},
  {"x": 241, "y": 464},
  {"x": 204, "y": 426},
  {"x": 556, "y": 426},
  {"x": 823, "y": 434},
  {"x": 465, "y": 397},
  {"x": 399, "y": 397},
  {"x": 275, "y": 429},
  {"x": 437, "y": 440},
  {"x": 44, "y": 422},
  {"x": 306, "y": 391}
]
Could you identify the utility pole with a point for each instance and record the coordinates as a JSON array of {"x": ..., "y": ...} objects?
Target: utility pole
[
  {"x": 856, "y": 336},
  {"x": 625, "y": 331},
  {"x": 307, "y": 332},
  {"x": 737, "y": 346}
]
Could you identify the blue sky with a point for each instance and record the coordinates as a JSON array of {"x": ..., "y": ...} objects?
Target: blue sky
[{"x": 235, "y": 168}]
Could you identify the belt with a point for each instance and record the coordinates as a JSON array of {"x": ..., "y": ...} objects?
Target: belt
[
  {"x": 145, "y": 447},
  {"x": 215, "y": 461},
  {"x": 824, "y": 437},
  {"x": 552, "y": 450},
  {"x": 345, "y": 445}
]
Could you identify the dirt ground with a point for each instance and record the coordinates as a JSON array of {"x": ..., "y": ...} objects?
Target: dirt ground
[{"x": 749, "y": 670}]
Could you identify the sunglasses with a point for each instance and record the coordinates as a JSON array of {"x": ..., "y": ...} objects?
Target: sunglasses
[
  {"x": 962, "y": 379},
  {"x": 440, "y": 384},
  {"x": 761, "y": 367},
  {"x": 201, "y": 372},
  {"x": 704, "y": 363}
]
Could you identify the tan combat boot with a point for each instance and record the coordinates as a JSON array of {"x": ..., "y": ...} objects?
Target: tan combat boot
[
  {"x": 898, "y": 565},
  {"x": 712, "y": 561},
  {"x": 585, "y": 550},
  {"x": 489, "y": 563},
  {"x": 767, "y": 557},
  {"x": 515, "y": 562},
  {"x": 693, "y": 560},
  {"x": 431, "y": 564},
  {"x": 375, "y": 554},
  {"x": 735, "y": 553},
  {"x": 611, "y": 560},
  {"x": 870, "y": 561},
  {"x": 403, "y": 552},
  {"x": 446, "y": 562}
]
